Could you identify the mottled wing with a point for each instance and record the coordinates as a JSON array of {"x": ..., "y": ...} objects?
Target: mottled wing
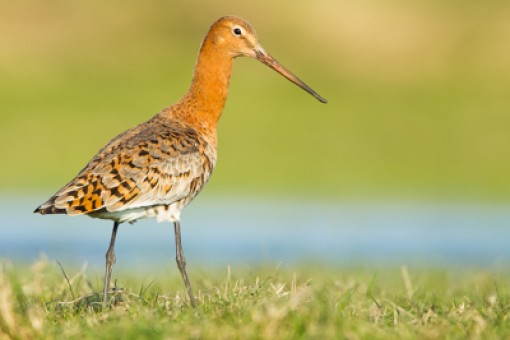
[{"x": 150, "y": 165}]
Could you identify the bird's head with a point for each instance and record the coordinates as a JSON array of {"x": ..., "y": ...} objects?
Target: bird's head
[{"x": 236, "y": 37}]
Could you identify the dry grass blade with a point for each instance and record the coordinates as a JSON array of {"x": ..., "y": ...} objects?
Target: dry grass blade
[{"x": 67, "y": 279}]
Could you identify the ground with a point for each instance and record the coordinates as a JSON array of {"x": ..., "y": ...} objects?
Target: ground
[{"x": 44, "y": 300}]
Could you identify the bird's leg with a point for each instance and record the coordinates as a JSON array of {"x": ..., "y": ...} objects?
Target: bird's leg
[
  {"x": 181, "y": 261},
  {"x": 110, "y": 260}
]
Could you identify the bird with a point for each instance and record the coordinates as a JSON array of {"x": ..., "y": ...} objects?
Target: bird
[{"x": 155, "y": 169}]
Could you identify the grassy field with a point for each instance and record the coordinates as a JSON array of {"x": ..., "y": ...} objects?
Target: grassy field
[
  {"x": 39, "y": 301},
  {"x": 418, "y": 93}
]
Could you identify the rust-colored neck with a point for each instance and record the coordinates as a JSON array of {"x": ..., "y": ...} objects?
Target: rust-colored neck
[{"x": 203, "y": 104}]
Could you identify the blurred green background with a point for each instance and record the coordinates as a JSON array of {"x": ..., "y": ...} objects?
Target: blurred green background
[{"x": 419, "y": 102}]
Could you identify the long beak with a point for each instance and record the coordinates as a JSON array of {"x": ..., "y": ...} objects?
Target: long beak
[{"x": 265, "y": 58}]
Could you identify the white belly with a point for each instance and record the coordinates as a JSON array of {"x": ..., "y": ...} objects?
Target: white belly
[{"x": 163, "y": 213}]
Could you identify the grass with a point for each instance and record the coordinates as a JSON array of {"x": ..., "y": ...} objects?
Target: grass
[{"x": 261, "y": 303}]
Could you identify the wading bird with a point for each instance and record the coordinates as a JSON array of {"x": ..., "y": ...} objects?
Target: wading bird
[{"x": 155, "y": 169}]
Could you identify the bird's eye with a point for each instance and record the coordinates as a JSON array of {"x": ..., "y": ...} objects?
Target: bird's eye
[{"x": 237, "y": 31}]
